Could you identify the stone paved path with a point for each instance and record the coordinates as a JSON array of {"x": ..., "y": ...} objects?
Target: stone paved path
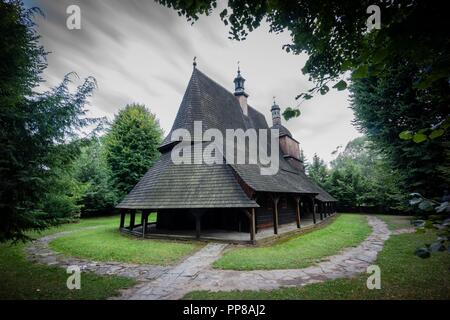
[
  {"x": 40, "y": 252},
  {"x": 196, "y": 273},
  {"x": 179, "y": 278}
]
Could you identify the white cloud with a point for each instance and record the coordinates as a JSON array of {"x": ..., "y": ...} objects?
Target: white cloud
[{"x": 142, "y": 52}]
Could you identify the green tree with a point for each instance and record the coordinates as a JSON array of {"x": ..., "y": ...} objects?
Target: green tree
[
  {"x": 304, "y": 160},
  {"x": 35, "y": 129},
  {"x": 317, "y": 170},
  {"x": 132, "y": 145},
  {"x": 386, "y": 105},
  {"x": 347, "y": 184},
  {"x": 361, "y": 175},
  {"x": 91, "y": 170}
]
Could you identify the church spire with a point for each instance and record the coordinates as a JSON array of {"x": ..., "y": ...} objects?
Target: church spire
[
  {"x": 239, "y": 89},
  {"x": 276, "y": 117}
]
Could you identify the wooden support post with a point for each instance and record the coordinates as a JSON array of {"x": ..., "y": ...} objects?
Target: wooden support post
[
  {"x": 297, "y": 201},
  {"x": 275, "y": 215},
  {"x": 198, "y": 217},
  {"x": 314, "y": 210},
  {"x": 253, "y": 224},
  {"x": 132, "y": 219},
  {"x": 319, "y": 206},
  {"x": 122, "y": 218},
  {"x": 144, "y": 220},
  {"x": 251, "y": 216}
]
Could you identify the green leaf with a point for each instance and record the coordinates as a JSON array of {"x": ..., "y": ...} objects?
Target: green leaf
[
  {"x": 324, "y": 89},
  {"x": 406, "y": 135},
  {"x": 361, "y": 72},
  {"x": 436, "y": 133},
  {"x": 223, "y": 14},
  {"x": 289, "y": 113},
  {"x": 419, "y": 137},
  {"x": 341, "y": 85}
]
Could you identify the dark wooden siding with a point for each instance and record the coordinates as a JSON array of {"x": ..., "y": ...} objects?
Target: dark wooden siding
[
  {"x": 264, "y": 214},
  {"x": 286, "y": 210},
  {"x": 222, "y": 219}
]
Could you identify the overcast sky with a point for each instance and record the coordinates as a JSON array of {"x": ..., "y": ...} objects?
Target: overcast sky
[{"x": 140, "y": 51}]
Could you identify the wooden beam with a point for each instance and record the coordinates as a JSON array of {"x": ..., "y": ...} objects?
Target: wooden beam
[
  {"x": 319, "y": 206},
  {"x": 198, "y": 216},
  {"x": 122, "y": 218},
  {"x": 254, "y": 222},
  {"x": 197, "y": 226},
  {"x": 314, "y": 210},
  {"x": 297, "y": 200},
  {"x": 251, "y": 216},
  {"x": 132, "y": 219},
  {"x": 144, "y": 219},
  {"x": 275, "y": 215}
]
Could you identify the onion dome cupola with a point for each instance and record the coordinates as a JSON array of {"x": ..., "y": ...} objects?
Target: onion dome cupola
[
  {"x": 239, "y": 81},
  {"x": 276, "y": 117}
]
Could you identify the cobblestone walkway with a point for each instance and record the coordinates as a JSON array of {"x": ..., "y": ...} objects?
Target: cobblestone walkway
[
  {"x": 40, "y": 252},
  {"x": 196, "y": 273},
  {"x": 177, "y": 279}
]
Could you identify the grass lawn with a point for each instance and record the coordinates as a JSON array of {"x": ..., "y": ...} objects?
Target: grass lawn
[
  {"x": 403, "y": 276},
  {"x": 21, "y": 279},
  {"x": 107, "y": 244},
  {"x": 302, "y": 250}
]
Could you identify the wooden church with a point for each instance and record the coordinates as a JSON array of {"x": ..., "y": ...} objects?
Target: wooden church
[{"x": 224, "y": 201}]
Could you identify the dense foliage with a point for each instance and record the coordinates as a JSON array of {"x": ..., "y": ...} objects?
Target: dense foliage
[
  {"x": 386, "y": 105},
  {"x": 34, "y": 130},
  {"x": 92, "y": 173},
  {"x": 317, "y": 170},
  {"x": 131, "y": 145},
  {"x": 360, "y": 176},
  {"x": 50, "y": 171}
]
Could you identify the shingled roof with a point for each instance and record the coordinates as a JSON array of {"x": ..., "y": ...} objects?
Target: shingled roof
[{"x": 167, "y": 185}]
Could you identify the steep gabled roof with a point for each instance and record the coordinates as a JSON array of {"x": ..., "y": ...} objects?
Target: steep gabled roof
[
  {"x": 167, "y": 185},
  {"x": 170, "y": 186}
]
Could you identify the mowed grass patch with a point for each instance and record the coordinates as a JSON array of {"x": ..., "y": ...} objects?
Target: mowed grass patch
[
  {"x": 403, "y": 276},
  {"x": 21, "y": 279},
  {"x": 106, "y": 243},
  {"x": 300, "y": 251},
  {"x": 105, "y": 221}
]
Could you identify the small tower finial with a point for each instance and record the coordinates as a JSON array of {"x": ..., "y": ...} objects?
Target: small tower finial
[
  {"x": 276, "y": 117},
  {"x": 239, "y": 69},
  {"x": 195, "y": 62}
]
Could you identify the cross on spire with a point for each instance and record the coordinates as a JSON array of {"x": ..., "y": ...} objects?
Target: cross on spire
[{"x": 194, "y": 63}]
